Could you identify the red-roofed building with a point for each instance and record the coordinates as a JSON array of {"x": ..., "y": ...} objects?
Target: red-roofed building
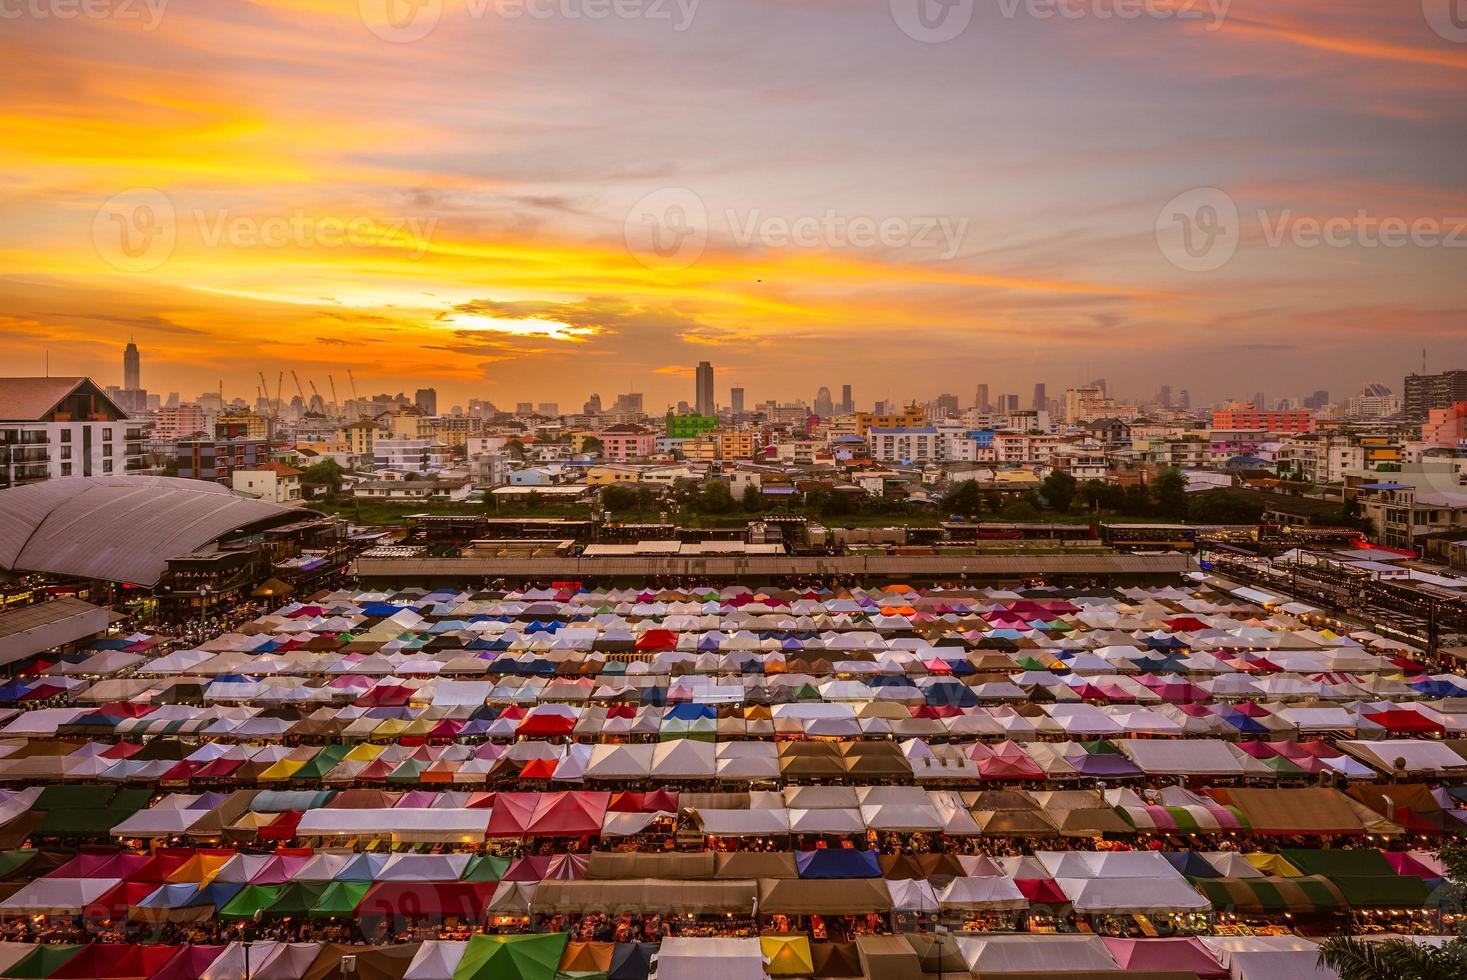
[{"x": 275, "y": 482}]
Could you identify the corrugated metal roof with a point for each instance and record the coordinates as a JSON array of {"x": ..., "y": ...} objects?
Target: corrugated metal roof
[
  {"x": 118, "y": 528},
  {"x": 711, "y": 566},
  {"x": 31, "y": 629}
]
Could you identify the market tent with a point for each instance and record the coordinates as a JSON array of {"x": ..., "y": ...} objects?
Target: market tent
[
  {"x": 368, "y": 962},
  {"x": 1180, "y": 953},
  {"x": 631, "y": 961},
  {"x": 434, "y": 901},
  {"x": 850, "y": 896},
  {"x": 888, "y": 957},
  {"x": 534, "y": 956},
  {"x": 697, "y": 958},
  {"x": 787, "y": 956},
  {"x": 1134, "y": 896},
  {"x": 1311, "y": 810},
  {"x": 1303, "y": 894},
  {"x": 835, "y": 960},
  {"x": 997, "y": 892},
  {"x": 837, "y": 862},
  {"x": 435, "y": 960},
  {"x": 645, "y": 896},
  {"x": 993, "y": 954},
  {"x": 585, "y": 957}
]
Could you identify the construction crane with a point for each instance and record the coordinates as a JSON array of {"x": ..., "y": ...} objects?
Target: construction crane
[
  {"x": 354, "y": 396},
  {"x": 298, "y": 389},
  {"x": 335, "y": 405},
  {"x": 315, "y": 395},
  {"x": 279, "y": 383}
]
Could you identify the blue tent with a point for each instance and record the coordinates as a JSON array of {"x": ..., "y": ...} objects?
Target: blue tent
[{"x": 837, "y": 862}]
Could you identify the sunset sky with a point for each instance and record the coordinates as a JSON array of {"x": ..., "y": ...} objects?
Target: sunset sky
[{"x": 498, "y": 173}]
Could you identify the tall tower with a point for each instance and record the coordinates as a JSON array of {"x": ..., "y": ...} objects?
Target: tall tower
[
  {"x": 132, "y": 367},
  {"x": 736, "y": 400},
  {"x": 1041, "y": 397},
  {"x": 847, "y": 402},
  {"x": 703, "y": 389},
  {"x": 981, "y": 403}
]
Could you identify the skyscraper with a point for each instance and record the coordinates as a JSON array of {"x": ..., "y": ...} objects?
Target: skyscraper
[
  {"x": 847, "y": 403},
  {"x": 824, "y": 404},
  {"x": 736, "y": 400},
  {"x": 426, "y": 399},
  {"x": 1041, "y": 398},
  {"x": 132, "y": 367},
  {"x": 703, "y": 389},
  {"x": 981, "y": 403}
]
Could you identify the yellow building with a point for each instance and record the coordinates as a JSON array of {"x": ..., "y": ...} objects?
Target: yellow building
[
  {"x": 912, "y": 417},
  {"x": 258, "y": 426},
  {"x": 737, "y": 445},
  {"x": 704, "y": 449},
  {"x": 360, "y": 438},
  {"x": 407, "y": 425},
  {"x": 604, "y": 476}
]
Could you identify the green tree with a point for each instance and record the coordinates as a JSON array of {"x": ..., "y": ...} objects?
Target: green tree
[
  {"x": 591, "y": 445},
  {"x": 716, "y": 498},
  {"x": 1222, "y": 507},
  {"x": 326, "y": 473},
  {"x": 963, "y": 497},
  {"x": 618, "y": 498},
  {"x": 751, "y": 502},
  {"x": 1169, "y": 490},
  {"x": 1020, "y": 510},
  {"x": 514, "y": 449},
  {"x": 1059, "y": 488},
  {"x": 646, "y": 499}
]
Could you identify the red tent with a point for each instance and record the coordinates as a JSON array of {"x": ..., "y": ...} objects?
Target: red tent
[
  {"x": 512, "y": 814},
  {"x": 97, "y": 960},
  {"x": 1041, "y": 891},
  {"x": 282, "y": 827},
  {"x": 189, "y": 964},
  {"x": 656, "y": 641},
  {"x": 1181, "y": 953},
  {"x": 401, "y": 900},
  {"x": 572, "y": 814},
  {"x": 114, "y": 902},
  {"x": 1404, "y": 721}
]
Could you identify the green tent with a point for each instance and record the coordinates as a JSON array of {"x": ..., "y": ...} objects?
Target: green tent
[
  {"x": 12, "y": 862},
  {"x": 42, "y": 961},
  {"x": 1362, "y": 862},
  {"x": 486, "y": 867},
  {"x": 521, "y": 957},
  {"x": 340, "y": 899},
  {"x": 252, "y": 899},
  {"x": 324, "y": 762},
  {"x": 410, "y": 771},
  {"x": 296, "y": 898}
]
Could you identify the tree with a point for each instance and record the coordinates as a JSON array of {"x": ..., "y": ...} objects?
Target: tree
[
  {"x": 1059, "y": 489},
  {"x": 751, "y": 502},
  {"x": 1020, "y": 510},
  {"x": 963, "y": 497},
  {"x": 1169, "y": 490},
  {"x": 590, "y": 445},
  {"x": 646, "y": 498},
  {"x": 716, "y": 498},
  {"x": 1222, "y": 507},
  {"x": 1400, "y": 959},
  {"x": 618, "y": 498},
  {"x": 326, "y": 473}
]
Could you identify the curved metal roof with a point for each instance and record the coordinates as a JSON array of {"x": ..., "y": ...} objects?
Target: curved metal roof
[{"x": 119, "y": 528}]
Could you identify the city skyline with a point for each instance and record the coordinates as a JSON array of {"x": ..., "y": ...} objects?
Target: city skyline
[{"x": 492, "y": 257}]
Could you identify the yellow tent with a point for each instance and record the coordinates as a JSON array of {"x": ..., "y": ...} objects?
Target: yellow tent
[
  {"x": 1273, "y": 864},
  {"x": 788, "y": 956}
]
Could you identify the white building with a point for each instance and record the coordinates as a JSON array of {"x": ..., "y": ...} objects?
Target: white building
[
  {"x": 275, "y": 482},
  {"x": 58, "y": 427},
  {"x": 409, "y": 455},
  {"x": 905, "y": 445}
]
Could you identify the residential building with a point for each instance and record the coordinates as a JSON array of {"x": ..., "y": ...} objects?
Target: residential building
[
  {"x": 737, "y": 445},
  {"x": 626, "y": 441},
  {"x": 413, "y": 491},
  {"x": 274, "y": 482},
  {"x": 409, "y": 455},
  {"x": 1375, "y": 401},
  {"x": 426, "y": 401},
  {"x": 608, "y": 474},
  {"x": 912, "y": 417},
  {"x": 1423, "y": 392},
  {"x": 241, "y": 425},
  {"x": 1238, "y": 416},
  {"x": 689, "y": 426},
  {"x": 360, "y": 438},
  {"x": 59, "y": 427},
  {"x": 1446, "y": 427},
  {"x": 905, "y": 445},
  {"x": 1086, "y": 404},
  {"x": 178, "y": 422},
  {"x": 216, "y": 460}
]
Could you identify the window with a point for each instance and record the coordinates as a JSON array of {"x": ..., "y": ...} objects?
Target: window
[
  {"x": 106, "y": 466},
  {"x": 65, "y": 435},
  {"x": 66, "y": 453},
  {"x": 66, "y": 469}
]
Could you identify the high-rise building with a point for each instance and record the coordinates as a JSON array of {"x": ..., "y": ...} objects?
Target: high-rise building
[
  {"x": 132, "y": 367},
  {"x": 1104, "y": 388},
  {"x": 1184, "y": 400},
  {"x": 1260, "y": 401},
  {"x": 1164, "y": 396},
  {"x": 1318, "y": 399},
  {"x": 703, "y": 389},
  {"x": 981, "y": 402},
  {"x": 1041, "y": 398},
  {"x": 946, "y": 406},
  {"x": 1008, "y": 403},
  {"x": 847, "y": 402},
  {"x": 824, "y": 403},
  {"x": 426, "y": 399},
  {"x": 736, "y": 400},
  {"x": 592, "y": 406},
  {"x": 1423, "y": 392}
]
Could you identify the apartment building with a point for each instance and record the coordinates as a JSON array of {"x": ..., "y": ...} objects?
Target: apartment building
[{"x": 58, "y": 427}]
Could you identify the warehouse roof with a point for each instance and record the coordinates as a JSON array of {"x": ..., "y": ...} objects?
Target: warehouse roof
[{"x": 120, "y": 528}]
